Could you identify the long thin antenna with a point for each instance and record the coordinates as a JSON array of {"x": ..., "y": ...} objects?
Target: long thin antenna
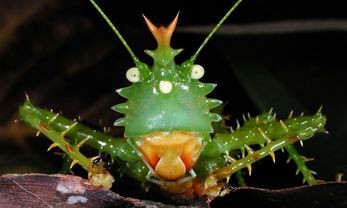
[
  {"x": 115, "y": 31},
  {"x": 192, "y": 59}
]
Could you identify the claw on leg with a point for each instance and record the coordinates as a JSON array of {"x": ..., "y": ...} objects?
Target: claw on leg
[{"x": 99, "y": 176}]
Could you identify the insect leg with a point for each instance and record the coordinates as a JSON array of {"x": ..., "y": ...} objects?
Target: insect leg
[
  {"x": 77, "y": 133},
  {"x": 69, "y": 136},
  {"x": 300, "y": 163},
  {"x": 97, "y": 175}
]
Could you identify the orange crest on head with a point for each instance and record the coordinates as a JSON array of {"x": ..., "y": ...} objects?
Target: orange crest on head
[{"x": 162, "y": 34}]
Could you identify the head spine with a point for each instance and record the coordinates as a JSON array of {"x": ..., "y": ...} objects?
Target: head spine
[{"x": 166, "y": 96}]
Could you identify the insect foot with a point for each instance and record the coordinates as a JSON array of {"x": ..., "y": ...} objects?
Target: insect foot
[{"x": 98, "y": 175}]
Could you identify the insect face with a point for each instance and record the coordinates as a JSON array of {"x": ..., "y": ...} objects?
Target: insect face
[
  {"x": 166, "y": 97},
  {"x": 167, "y": 111}
]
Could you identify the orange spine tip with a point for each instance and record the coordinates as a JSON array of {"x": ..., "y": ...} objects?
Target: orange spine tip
[{"x": 162, "y": 34}]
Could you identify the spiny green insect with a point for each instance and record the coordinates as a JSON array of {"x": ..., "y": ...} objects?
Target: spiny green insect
[{"x": 169, "y": 139}]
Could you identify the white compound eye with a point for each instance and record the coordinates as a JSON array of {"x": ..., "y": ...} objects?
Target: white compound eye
[
  {"x": 197, "y": 71},
  {"x": 133, "y": 74}
]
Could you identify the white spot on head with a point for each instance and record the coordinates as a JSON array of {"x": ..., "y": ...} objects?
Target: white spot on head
[
  {"x": 197, "y": 71},
  {"x": 76, "y": 199},
  {"x": 133, "y": 74},
  {"x": 165, "y": 86}
]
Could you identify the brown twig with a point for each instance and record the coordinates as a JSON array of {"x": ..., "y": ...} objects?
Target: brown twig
[{"x": 41, "y": 190}]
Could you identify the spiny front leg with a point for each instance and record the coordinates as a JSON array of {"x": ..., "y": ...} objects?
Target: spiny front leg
[
  {"x": 98, "y": 174},
  {"x": 212, "y": 183},
  {"x": 271, "y": 135},
  {"x": 70, "y": 135},
  {"x": 116, "y": 147}
]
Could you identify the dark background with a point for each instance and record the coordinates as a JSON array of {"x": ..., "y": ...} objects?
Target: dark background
[{"x": 65, "y": 57}]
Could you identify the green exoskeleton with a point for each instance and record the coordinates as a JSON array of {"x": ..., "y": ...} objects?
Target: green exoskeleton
[{"x": 168, "y": 127}]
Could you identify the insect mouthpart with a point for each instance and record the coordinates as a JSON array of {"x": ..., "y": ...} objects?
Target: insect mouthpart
[{"x": 170, "y": 154}]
